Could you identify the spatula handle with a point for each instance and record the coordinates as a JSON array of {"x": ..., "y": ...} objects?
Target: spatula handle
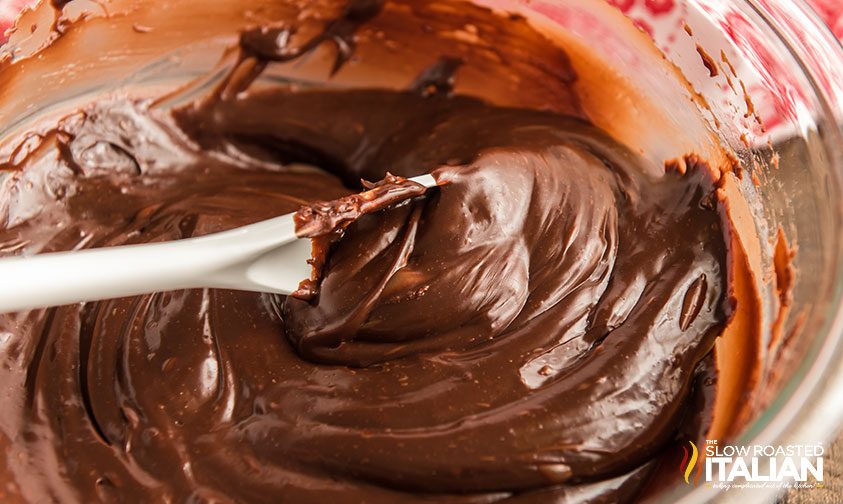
[{"x": 225, "y": 259}]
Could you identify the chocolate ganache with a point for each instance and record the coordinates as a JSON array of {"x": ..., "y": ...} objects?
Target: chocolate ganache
[{"x": 537, "y": 329}]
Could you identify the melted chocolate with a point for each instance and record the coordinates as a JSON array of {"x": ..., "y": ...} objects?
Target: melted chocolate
[
  {"x": 532, "y": 331},
  {"x": 325, "y": 221}
]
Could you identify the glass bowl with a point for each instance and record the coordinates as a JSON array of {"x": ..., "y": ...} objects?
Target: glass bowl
[{"x": 761, "y": 78}]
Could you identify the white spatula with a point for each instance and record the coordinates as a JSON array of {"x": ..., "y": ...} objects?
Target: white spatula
[{"x": 264, "y": 257}]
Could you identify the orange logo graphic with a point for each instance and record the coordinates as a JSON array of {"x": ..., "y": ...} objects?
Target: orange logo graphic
[{"x": 689, "y": 462}]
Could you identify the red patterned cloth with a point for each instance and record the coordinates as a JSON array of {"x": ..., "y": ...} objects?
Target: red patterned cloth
[
  {"x": 829, "y": 10},
  {"x": 832, "y": 12}
]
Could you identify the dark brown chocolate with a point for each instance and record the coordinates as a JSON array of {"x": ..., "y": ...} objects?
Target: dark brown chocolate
[
  {"x": 531, "y": 331},
  {"x": 325, "y": 221},
  {"x": 324, "y": 218}
]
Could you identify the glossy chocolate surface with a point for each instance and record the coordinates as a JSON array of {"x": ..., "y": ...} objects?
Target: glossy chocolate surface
[{"x": 538, "y": 328}]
